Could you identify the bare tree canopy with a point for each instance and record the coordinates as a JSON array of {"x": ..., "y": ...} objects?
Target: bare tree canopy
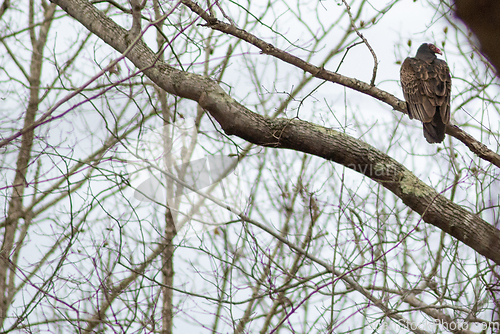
[{"x": 231, "y": 167}]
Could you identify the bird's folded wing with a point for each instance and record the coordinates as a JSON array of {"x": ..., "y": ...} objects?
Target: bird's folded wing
[{"x": 426, "y": 86}]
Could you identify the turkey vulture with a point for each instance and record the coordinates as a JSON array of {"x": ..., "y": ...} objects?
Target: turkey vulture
[{"x": 426, "y": 84}]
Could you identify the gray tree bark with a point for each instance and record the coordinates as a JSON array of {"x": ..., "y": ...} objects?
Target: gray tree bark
[{"x": 235, "y": 119}]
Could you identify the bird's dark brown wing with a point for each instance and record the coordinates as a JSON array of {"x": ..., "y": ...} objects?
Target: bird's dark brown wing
[
  {"x": 426, "y": 86},
  {"x": 443, "y": 88}
]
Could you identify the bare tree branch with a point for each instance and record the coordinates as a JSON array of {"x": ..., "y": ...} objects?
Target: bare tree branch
[
  {"x": 298, "y": 135},
  {"x": 474, "y": 145}
]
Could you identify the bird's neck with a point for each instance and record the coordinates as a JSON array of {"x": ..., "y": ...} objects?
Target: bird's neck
[{"x": 425, "y": 56}]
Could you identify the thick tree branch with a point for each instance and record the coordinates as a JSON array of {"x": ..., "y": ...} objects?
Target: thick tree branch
[
  {"x": 298, "y": 135},
  {"x": 474, "y": 145},
  {"x": 5, "y": 5}
]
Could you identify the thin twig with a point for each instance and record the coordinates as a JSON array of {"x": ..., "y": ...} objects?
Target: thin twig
[
  {"x": 375, "y": 61},
  {"x": 474, "y": 145}
]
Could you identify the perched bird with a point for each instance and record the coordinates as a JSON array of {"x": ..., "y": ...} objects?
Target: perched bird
[{"x": 426, "y": 84}]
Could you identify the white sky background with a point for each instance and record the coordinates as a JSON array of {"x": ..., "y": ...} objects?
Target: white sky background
[{"x": 406, "y": 20}]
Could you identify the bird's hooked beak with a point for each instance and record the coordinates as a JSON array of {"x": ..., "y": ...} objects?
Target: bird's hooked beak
[{"x": 435, "y": 49}]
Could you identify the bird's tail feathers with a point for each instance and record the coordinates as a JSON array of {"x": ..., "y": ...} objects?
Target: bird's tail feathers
[{"x": 434, "y": 130}]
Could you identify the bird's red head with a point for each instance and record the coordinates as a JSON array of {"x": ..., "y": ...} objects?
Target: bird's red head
[{"x": 435, "y": 49}]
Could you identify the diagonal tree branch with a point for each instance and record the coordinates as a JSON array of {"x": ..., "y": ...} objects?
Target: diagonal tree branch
[
  {"x": 235, "y": 119},
  {"x": 474, "y": 145}
]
